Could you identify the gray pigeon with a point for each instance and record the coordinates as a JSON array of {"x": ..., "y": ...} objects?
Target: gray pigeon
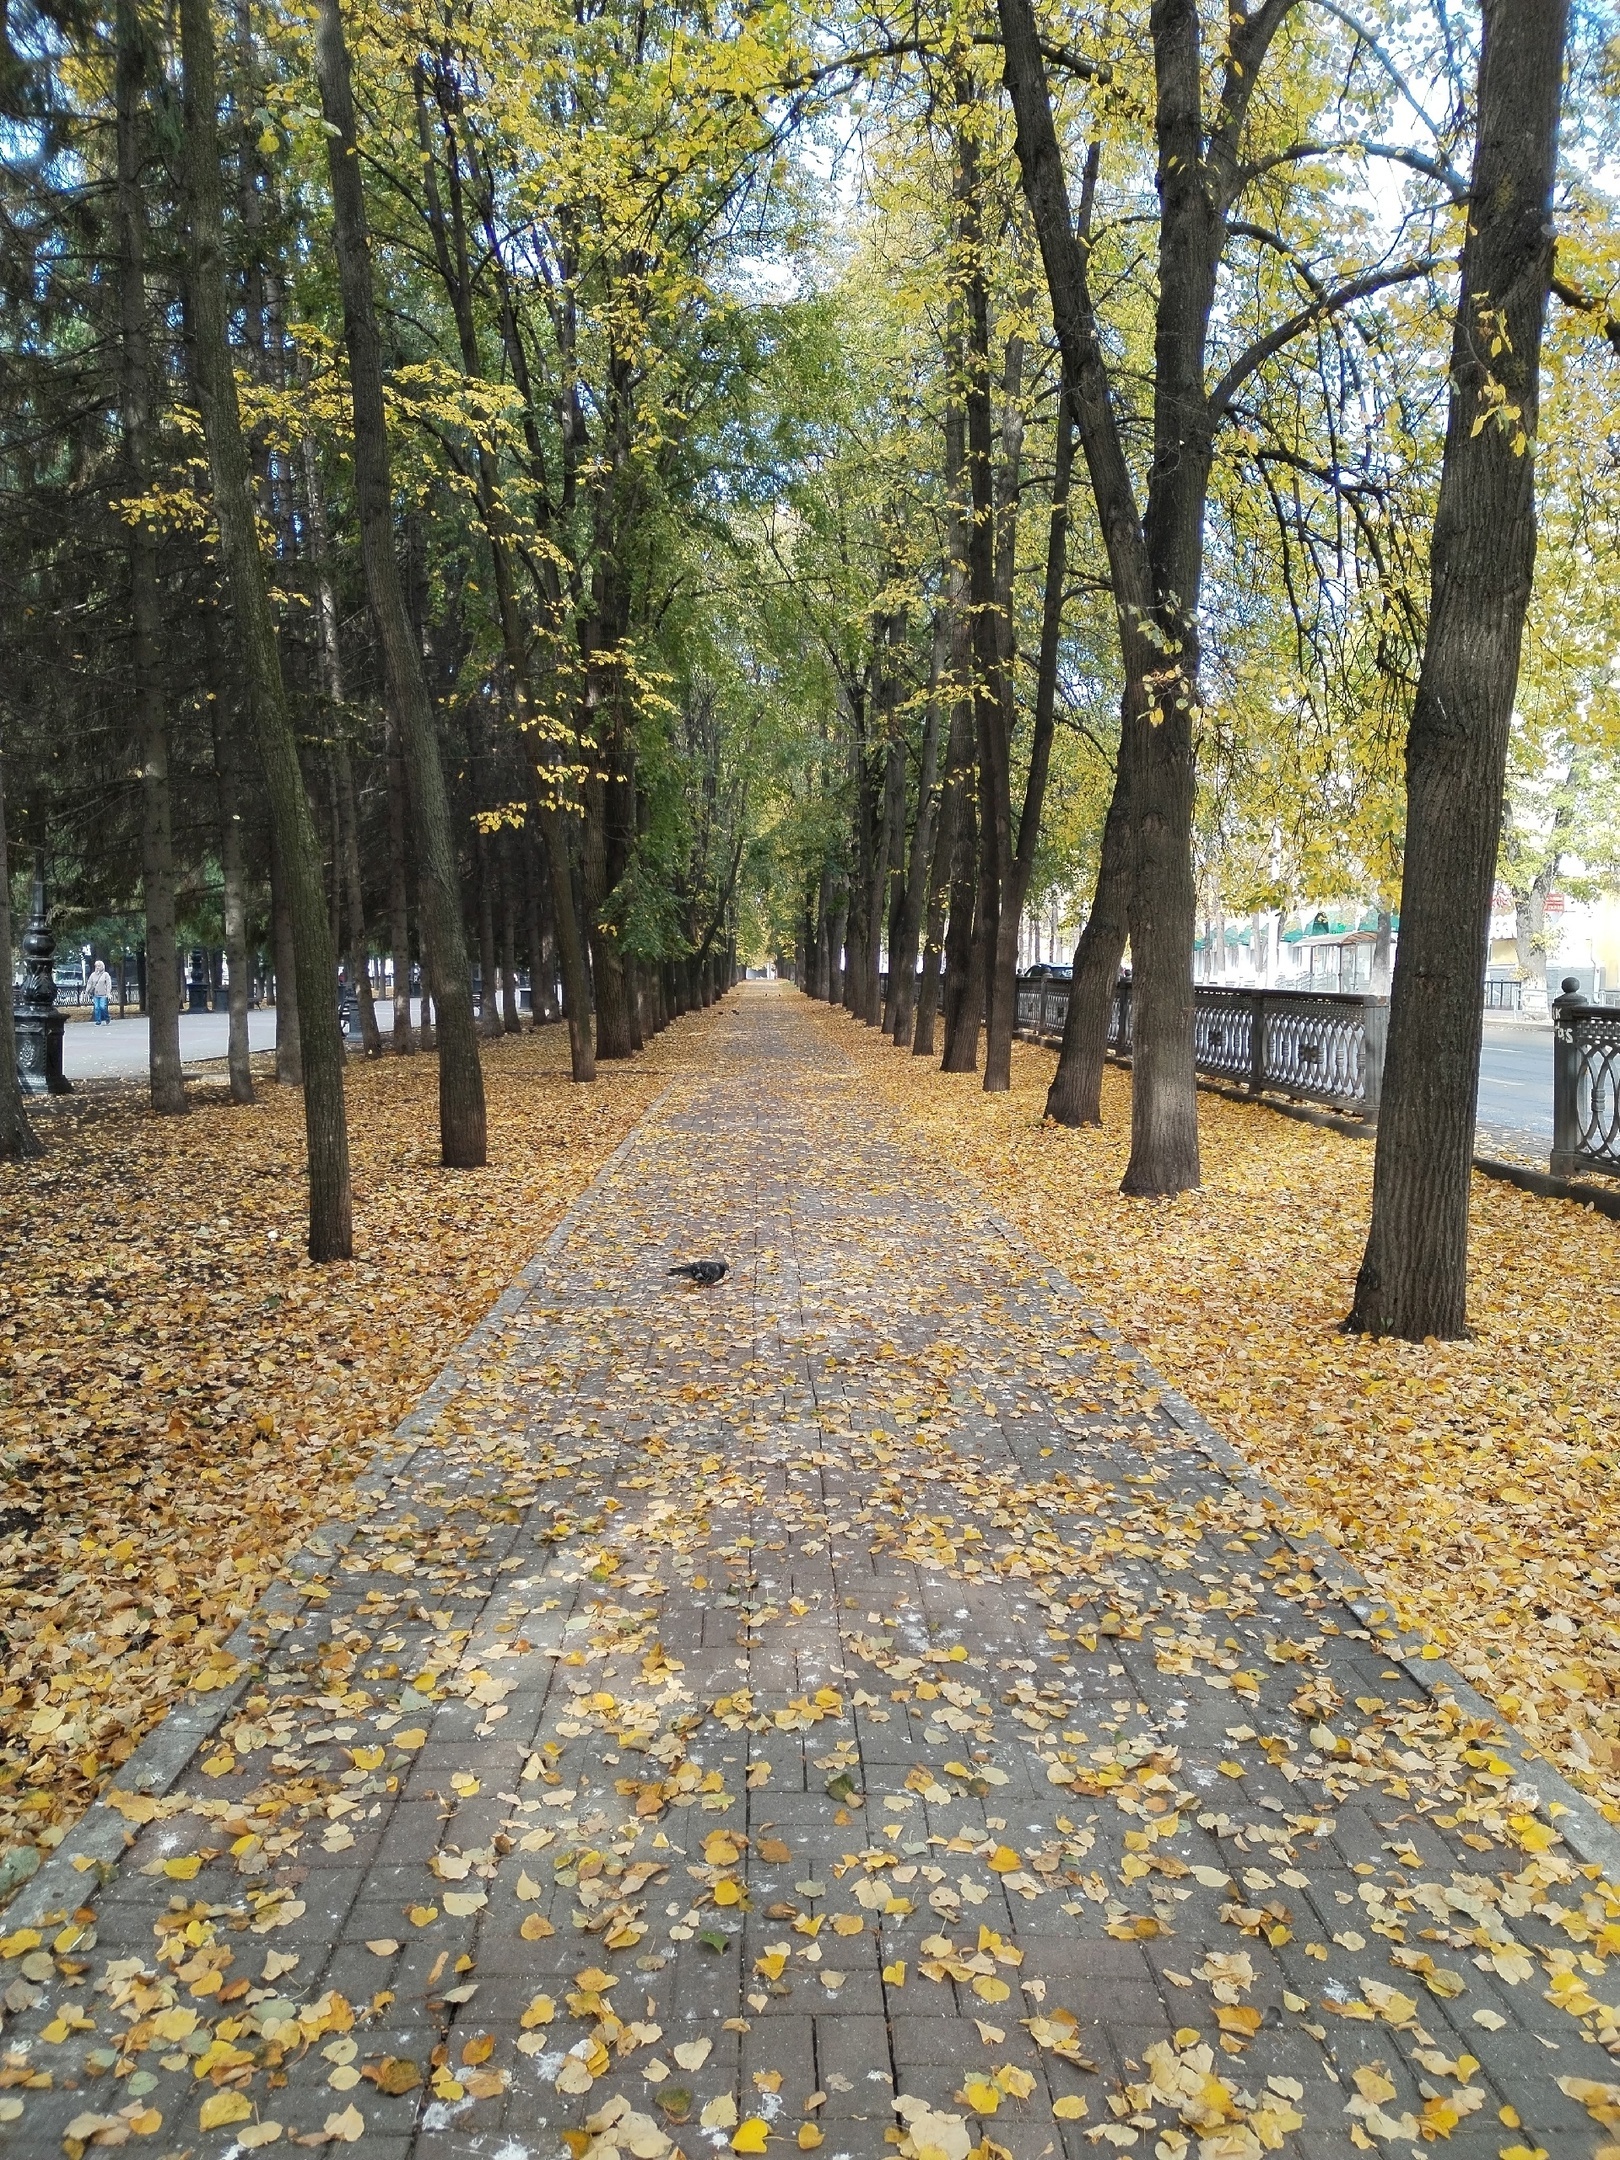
[{"x": 705, "y": 1273}]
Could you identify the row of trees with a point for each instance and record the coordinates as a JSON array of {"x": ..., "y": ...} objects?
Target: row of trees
[
  {"x": 588, "y": 488},
  {"x": 351, "y": 447},
  {"x": 1306, "y": 407}
]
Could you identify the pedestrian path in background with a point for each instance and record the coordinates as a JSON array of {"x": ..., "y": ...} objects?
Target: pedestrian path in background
[{"x": 836, "y": 1710}]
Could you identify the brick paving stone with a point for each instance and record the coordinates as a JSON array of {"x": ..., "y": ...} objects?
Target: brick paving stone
[{"x": 1113, "y": 1787}]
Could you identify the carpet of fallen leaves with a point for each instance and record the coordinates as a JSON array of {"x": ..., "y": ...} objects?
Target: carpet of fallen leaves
[
  {"x": 183, "y": 1395},
  {"x": 1474, "y": 1483}
]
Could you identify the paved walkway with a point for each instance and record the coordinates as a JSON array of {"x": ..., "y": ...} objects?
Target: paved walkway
[{"x": 836, "y": 1709}]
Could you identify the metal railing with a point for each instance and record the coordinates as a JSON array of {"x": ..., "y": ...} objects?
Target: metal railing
[
  {"x": 1586, "y": 1084},
  {"x": 1321, "y": 1046},
  {"x": 1503, "y": 993}
]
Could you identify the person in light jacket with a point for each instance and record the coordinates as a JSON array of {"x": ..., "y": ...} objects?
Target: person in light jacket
[{"x": 100, "y": 988}]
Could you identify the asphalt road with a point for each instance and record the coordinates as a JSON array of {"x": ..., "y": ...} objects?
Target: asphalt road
[
  {"x": 1515, "y": 1078},
  {"x": 119, "y": 1048},
  {"x": 1515, "y": 1067}
]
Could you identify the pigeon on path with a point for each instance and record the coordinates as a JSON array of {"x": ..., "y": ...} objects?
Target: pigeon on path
[{"x": 705, "y": 1273}]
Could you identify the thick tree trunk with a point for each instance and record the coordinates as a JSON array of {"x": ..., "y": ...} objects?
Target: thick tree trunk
[
  {"x": 1414, "y": 1275},
  {"x": 167, "y": 1078},
  {"x": 1075, "y": 1096},
  {"x": 462, "y": 1132},
  {"x": 325, "y": 1125}
]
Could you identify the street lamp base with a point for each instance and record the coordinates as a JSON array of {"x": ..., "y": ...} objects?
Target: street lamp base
[{"x": 39, "y": 1053}]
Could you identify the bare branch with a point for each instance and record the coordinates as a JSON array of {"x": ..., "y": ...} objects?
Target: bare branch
[
  {"x": 1585, "y": 303},
  {"x": 1436, "y": 169},
  {"x": 1343, "y": 296},
  {"x": 1385, "y": 61}
]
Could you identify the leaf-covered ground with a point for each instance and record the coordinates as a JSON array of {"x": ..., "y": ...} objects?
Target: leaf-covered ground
[
  {"x": 1476, "y": 1483},
  {"x": 182, "y": 1395},
  {"x": 836, "y": 1710}
]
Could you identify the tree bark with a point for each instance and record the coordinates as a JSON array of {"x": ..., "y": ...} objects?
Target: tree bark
[
  {"x": 1155, "y": 559},
  {"x": 167, "y": 1076},
  {"x": 959, "y": 739},
  {"x": 570, "y": 947},
  {"x": 462, "y": 1130},
  {"x": 836, "y": 937},
  {"x": 399, "y": 923},
  {"x": 1075, "y": 1096},
  {"x": 511, "y": 1018},
  {"x": 1414, "y": 1275},
  {"x": 599, "y": 874},
  {"x": 1015, "y": 885},
  {"x": 964, "y": 948},
  {"x": 890, "y": 854},
  {"x": 325, "y": 1124},
  {"x": 233, "y": 876},
  {"x": 17, "y": 1139},
  {"x": 914, "y": 901},
  {"x": 992, "y": 701},
  {"x": 289, "y": 1041},
  {"x": 489, "y": 997},
  {"x": 346, "y": 836},
  {"x": 359, "y": 943}
]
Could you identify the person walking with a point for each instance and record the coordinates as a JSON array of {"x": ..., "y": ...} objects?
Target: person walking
[{"x": 100, "y": 988}]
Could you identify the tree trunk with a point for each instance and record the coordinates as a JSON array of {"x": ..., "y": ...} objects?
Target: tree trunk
[
  {"x": 890, "y": 862},
  {"x": 233, "y": 877},
  {"x": 614, "y": 1038},
  {"x": 836, "y": 939},
  {"x": 489, "y": 998},
  {"x": 346, "y": 879},
  {"x": 1015, "y": 885},
  {"x": 914, "y": 901},
  {"x": 289, "y": 1044},
  {"x": 992, "y": 705},
  {"x": 542, "y": 931},
  {"x": 359, "y": 943},
  {"x": 959, "y": 741},
  {"x": 16, "y": 1134},
  {"x": 570, "y": 948},
  {"x": 534, "y": 927},
  {"x": 462, "y": 1131},
  {"x": 1414, "y": 1275},
  {"x": 325, "y": 1125},
  {"x": 964, "y": 973},
  {"x": 167, "y": 1077},
  {"x": 511, "y": 1018},
  {"x": 399, "y": 922},
  {"x": 1075, "y": 1096}
]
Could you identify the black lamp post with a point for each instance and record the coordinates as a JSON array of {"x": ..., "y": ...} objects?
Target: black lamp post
[{"x": 38, "y": 1023}]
